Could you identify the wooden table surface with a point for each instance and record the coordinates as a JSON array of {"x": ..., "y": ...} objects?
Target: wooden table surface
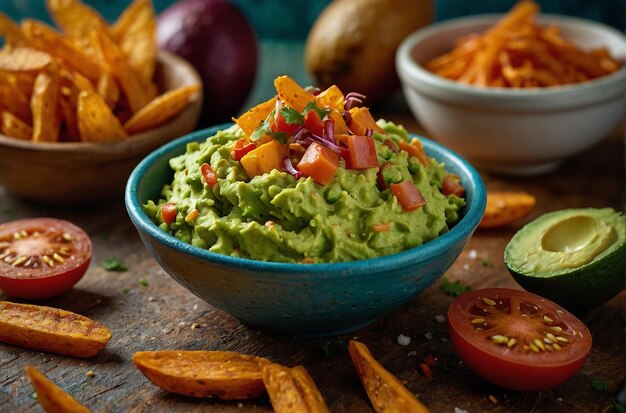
[{"x": 160, "y": 315}]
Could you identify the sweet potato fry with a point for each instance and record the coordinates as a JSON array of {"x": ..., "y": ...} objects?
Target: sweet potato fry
[
  {"x": 44, "y": 104},
  {"x": 108, "y": 89},
  {"x": 292, "y": 390},
  {"x": 75, "y": 18},
  {"x": 51, "y": 330},
  {"x": 504, "y": 208},
  {"x": 15, "y": 127},
  {"x": 222, "y": 374},
  {"x": 52, "y": 398},
  {"x": 96, "y": 122},
  {"x": 23, "y": 59},
  {"x": 292, "y": 94},
  {"x": 384, "y": 390},
  {"x": 11, "y": 32},
  {"x": 160, "y": 110},
  {"x": 14, "y": 99}
]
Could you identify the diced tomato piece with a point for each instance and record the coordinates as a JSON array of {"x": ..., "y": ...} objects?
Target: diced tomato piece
[
  {"x": 313, "y": 123},
  {"x": 408, "y": 195},
  {"x": 320, "y": 163},
  {"x": 415, "y": 149},
  {"x": 451, "y": 185},
  {"x": 280, "y": 124},
  {"x": 208, "y": 174},
  {"x": 361, "y": 152},
  {"x": 168, "y": 212},
  {"x": 241, "y": 148}
]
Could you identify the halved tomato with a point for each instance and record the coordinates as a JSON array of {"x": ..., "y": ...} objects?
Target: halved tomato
[
  {"x": 516, "y": 339},
  {"x": 42, "y": 257}
]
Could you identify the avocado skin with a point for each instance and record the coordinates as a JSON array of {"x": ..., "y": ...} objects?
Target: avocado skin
[
  {"x": 577, "y": 291},
  {"x": 582, "y": 288}
]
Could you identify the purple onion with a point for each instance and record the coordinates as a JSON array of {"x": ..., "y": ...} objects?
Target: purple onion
[
  {"x": 329, "y": 130},
  {"x": 290, "y": 168},
  {"x": 347, "y": 117},
  {"x": 353, "y": 99},
  {"x": 369, "y": 132}
]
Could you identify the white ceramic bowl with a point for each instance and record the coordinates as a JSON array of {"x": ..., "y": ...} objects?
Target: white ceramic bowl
[{"x": 512, "y": 131}]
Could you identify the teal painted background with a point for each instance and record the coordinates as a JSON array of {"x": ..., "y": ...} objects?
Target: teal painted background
[{"x": 292, "y": 19}]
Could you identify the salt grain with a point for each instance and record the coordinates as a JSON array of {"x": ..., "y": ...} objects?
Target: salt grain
[
  {"x": 440, "y": 318},
  {"x": 472, "y": 255},
  {"x": 404, "y": 340},
  {"x": 428, "y": 336}
]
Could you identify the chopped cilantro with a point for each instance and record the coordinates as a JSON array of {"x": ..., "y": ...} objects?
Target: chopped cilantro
[
  {"x": 292, "y": 116},
  {"x": 279, "y": 136},
  {"x": 453, "y": 289},
  {"x": 313, "y": 106},
  {"x": 599, "y": 385},
  {"x": 486, "y": 263},
  {"x": 113, "y": 264},
  {"x": 143, "y": 281}
]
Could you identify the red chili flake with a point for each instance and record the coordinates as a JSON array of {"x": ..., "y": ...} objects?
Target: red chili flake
[
  {"x": 426, "y": 370},
  {"x": 430, "y": 360}
]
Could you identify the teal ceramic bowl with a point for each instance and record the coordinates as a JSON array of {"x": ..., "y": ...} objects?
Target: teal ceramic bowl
[{"x": 304, "y": 300}]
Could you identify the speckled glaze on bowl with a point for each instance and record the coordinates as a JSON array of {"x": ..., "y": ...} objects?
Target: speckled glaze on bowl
[
  {"x": 305, "y": 300},
  {"x": 513, "y": 131}
]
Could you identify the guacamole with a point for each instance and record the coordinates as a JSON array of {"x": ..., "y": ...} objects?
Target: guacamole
[{"x": 276, "y": 217}]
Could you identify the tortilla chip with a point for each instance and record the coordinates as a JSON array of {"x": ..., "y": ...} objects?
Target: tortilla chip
[
  {"x": 135, "y": 33},
  {"x": 251, "y": 120},
  {"x": 11, "y": 32},
  {"x": 292, "y": 94},
  {"x": 44, "y": 38},
  {"x": 96, "y": 122},
  {"x": 75, "y": 18},
  {"x": 23, "y": 59},
  {"x": 44, "y": 107},
  {"x": 160, "y": 110},
  {"x": 15, "y": 127},
  {"x": 331, "y": 98}
]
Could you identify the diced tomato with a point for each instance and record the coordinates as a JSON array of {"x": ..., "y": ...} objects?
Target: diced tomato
[
  {"x": 408, "y": 195},
  {"x": 451, "y": 185},
  {"x": 208, "y": 174},
  {"x": 415, "y": 149},
  {"x": 168, "y": 212},
  {"x": 320, "y": 163},
  {"x": 280, "y": 125},
  {"x": 361, "y": 152},
  {"x": 241, "y": 148},
  {"x": 313, "y": 123}
]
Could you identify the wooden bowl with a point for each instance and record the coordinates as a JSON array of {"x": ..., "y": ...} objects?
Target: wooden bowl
[{"x": 82, "y": 173}]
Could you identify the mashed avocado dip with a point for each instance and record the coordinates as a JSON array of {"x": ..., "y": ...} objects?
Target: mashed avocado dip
[{"x": 275, "y": 217}]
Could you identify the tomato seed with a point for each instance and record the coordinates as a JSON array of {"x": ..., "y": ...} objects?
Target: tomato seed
[
  {"x": 562, "y": 339},
  {"x": 488, "y": 301},
  {"x": 547, "y": 319},
  {"x": 58, "y": 258},
  {"x": 511, "y": 343},
  {"x": 539, "y": 344},
  {"x": 556, "y": 347},
  {"x": 19, "y": 261},
  {"x": 477, "y": 321},
  {"x": 551, "y": 337}
]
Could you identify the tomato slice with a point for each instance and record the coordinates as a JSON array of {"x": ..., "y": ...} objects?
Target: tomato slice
[
  {"x": 516, "y": 339},
  {"x": 408, "y": 195},
  {"x": 208, "y": 174},
  {"x": 168, "y": 212},
  {"x": 362, "y": 152},
  {"x": 42, "y": 257},
  {"x": 280, "y": 124}
]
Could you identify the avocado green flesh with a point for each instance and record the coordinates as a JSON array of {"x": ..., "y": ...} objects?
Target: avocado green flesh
[
  {"x": 274, "y": 217},
  {"x": 574, "y": 257}
]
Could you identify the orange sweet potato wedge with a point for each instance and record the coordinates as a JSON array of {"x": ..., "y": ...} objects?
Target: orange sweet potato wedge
[
  {"x": 51, "y": 330},
  {"x": 384, "y": 390},
  {"x": 222, "y": 374},
  {"x": 250, "y": 120},
  {"x": 52, "y": 398},
  {"x": 292, "y": 390},
  {"x": 504, "y": 208}
]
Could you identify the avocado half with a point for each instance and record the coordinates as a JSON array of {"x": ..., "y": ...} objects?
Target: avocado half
[{"x": 575, "y": 257}]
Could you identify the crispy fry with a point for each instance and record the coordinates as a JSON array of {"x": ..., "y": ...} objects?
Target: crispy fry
[
  {"x": 75, "y": 18},
  {"x": 14, "y": 99},
  {"x": 15, "y": 127},
  {"x": 160, "y": 110},
  {"x": 96, "y": 122},
  {"x": 44, "y": 107},
  {"x": 250, "y": 120},
  {"x": 292, "y": 94},
  {"x": 23, "y": 59},
  {"x": 504, "y": 208},
  {"x": 222, "y": 374},
  {"x": 11, "y": 32},
  {"x": 517, "y": 53},
  {"x": 51, "y": 330},
  {"x": 108, "y": 89},
  {"x": 292, "y": 390},
  {"x": 384, "y": 390},
  {"x": 51, "y": 397},
  {"x": 44, "y": 38},
  {"x": 135, "y": 32}
]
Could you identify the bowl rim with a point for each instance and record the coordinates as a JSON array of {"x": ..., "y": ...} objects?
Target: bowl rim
[
  {"x": 134, "y": 142},
  {"x": 411, "y": 71},
  {"x": 466, "y": 225}
]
